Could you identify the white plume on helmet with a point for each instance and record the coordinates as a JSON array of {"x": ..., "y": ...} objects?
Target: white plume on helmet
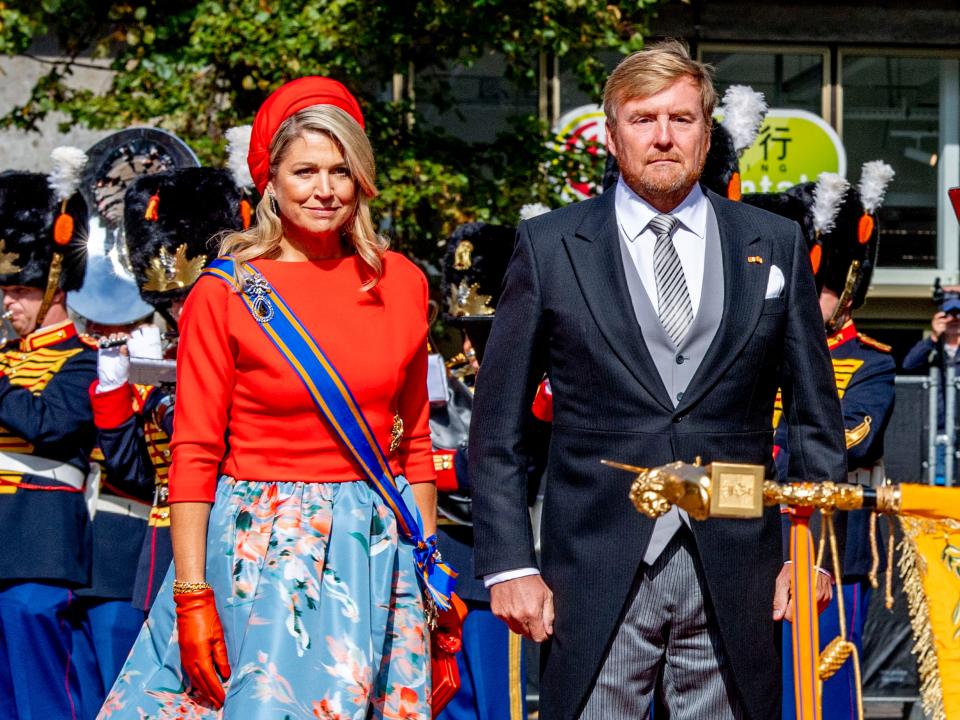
[
  {"x": 238, "y": 145},
  {"x": 743, "y": 111},
  {"x": 531, "y": 210},
  {"x": 68, "y": 163},
  {"x": 875, "y": 175},
  {"x": 827, "y": 198}
]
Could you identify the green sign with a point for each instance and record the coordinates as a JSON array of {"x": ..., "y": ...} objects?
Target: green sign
[{"x": 793, "y": 146}]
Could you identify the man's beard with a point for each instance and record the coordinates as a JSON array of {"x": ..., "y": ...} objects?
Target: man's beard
[{"x": 667, "y": 191}]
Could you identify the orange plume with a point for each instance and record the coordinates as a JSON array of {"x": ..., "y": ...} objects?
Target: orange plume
[
  {"x": 63, "y": 229},
  {"x": 153, "y": 206},
  {"x": 816, "y": 254},
  {"x": 733, "y": 187},
  {"x": 865, "y": 229},
  {"x": 246, "y": 213}
]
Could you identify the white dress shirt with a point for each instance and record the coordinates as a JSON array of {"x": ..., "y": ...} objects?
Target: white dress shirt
[{"x": 690, "y": 238}]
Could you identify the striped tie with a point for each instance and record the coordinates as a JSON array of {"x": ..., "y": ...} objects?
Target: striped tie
[{"x": 676, "y": 312}]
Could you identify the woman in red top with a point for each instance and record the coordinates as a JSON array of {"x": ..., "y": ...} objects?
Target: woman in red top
[{"x": 294, "y": 594}]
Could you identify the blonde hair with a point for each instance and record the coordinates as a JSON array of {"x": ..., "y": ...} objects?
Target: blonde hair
[
  {"x": 648, "y": 71},
  {"x": 262, "y": 240}
]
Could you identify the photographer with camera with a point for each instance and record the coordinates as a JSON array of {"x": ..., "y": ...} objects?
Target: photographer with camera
[{"x": 939, "y": 350}]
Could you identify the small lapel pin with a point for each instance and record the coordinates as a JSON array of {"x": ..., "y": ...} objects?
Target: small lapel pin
[{"x": 755, "y": 259}]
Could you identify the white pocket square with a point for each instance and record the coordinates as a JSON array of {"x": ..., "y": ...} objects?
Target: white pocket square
[{"x": 774, "y": 283}]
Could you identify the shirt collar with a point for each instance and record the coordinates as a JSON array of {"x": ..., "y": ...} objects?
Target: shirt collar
[
  {"x": 634, "y": 213},
  {"x": 49, "y": 335}
]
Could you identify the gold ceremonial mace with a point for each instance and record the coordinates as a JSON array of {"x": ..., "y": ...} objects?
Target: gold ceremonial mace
[
  {"x": 735, "y": 490},
  {"x": 729, "y": 490}
]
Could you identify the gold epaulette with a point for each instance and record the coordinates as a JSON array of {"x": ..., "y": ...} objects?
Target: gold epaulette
[
  {"x": 875, "y": 344},
  {"x": 89, "y": 340}
]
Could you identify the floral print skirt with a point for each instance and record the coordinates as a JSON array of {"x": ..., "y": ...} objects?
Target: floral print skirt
[{"x": 320, "y": 605}]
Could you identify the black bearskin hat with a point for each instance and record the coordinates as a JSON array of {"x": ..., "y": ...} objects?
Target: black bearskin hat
[
  {"x": 109, "y": 295},
  {"x": 28, "y": 211},
  {"x": 173, "y": 221},
  {"x": 473, "y": 270},
  {"x": 795, "y": 204},
  {"x": 722, "y": 165},
  {"x": 843, "y": 246},
  {"x": 839, "y": 226}
]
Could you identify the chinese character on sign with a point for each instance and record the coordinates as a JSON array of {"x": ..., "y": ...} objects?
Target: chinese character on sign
[{"x": 776, "y": 135}]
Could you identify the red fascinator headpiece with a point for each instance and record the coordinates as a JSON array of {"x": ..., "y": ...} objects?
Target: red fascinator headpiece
[{"x": 285, "y": 101}]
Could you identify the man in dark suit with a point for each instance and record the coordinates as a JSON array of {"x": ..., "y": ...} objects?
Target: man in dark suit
[{"x": 666, "y": 318}]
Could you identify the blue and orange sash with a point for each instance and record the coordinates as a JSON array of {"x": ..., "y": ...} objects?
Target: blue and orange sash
[{"x": 336, "y": 403}]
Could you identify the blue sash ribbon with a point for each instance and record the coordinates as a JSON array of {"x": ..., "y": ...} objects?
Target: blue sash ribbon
[{"x": 343, "y": 414}]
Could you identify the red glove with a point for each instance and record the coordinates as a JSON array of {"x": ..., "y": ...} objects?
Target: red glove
[{"x": 203, "y": 652}]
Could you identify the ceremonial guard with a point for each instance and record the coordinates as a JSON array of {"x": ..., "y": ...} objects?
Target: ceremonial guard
[
  {"x": 113, "y": 310},
  {"x": 491, "y": 667},
  {"x": 170, "y": 219},
  {"x": 47, "y": 667},
  {"x": 844, "y": 247}
]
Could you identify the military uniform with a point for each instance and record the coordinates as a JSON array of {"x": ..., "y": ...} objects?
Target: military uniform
[
  {"x": 123, "y": 509},
  {"x": 169, "y": 218},
  {"x": 492, "y": 683},
  {"x": 45, "y": 414},
  {"x": 110, "y": 297},
  {"x": 134, "y": 424},
  {"x": 865, "y": 374},
  {"x": 47, "y": 666}
]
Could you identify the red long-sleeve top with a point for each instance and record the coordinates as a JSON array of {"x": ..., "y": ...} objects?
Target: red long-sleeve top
[{"x": 241, "y": 410}]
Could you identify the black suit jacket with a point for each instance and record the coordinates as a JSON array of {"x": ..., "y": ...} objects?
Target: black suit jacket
[{"x": 566, "y": 311}]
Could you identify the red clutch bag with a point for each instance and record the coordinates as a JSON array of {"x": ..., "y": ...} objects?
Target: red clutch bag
[{"x": 446, "y": 640}]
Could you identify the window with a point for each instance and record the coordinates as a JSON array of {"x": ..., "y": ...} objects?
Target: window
[
  {"x": 891, "y": 111},
  {"x": 787, "y": 80}
]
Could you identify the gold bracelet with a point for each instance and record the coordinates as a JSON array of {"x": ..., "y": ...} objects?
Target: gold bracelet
[{"x": 182, "y": 588}]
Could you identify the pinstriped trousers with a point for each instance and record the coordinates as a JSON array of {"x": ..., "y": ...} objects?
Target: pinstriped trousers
[{"x": 667, "y": 645}]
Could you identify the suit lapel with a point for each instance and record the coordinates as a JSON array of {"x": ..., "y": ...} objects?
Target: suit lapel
[
  {"x": 743, "y": 296},
  {"x": 595, "y": 255}
]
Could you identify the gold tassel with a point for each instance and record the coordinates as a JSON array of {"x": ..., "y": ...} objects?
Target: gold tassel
[
  {"x": 842, "y": 647},
  {"x": 874, "y": 552},
  {"x": 888, "y": 586},
  {"x": 834, "y": 655}
]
